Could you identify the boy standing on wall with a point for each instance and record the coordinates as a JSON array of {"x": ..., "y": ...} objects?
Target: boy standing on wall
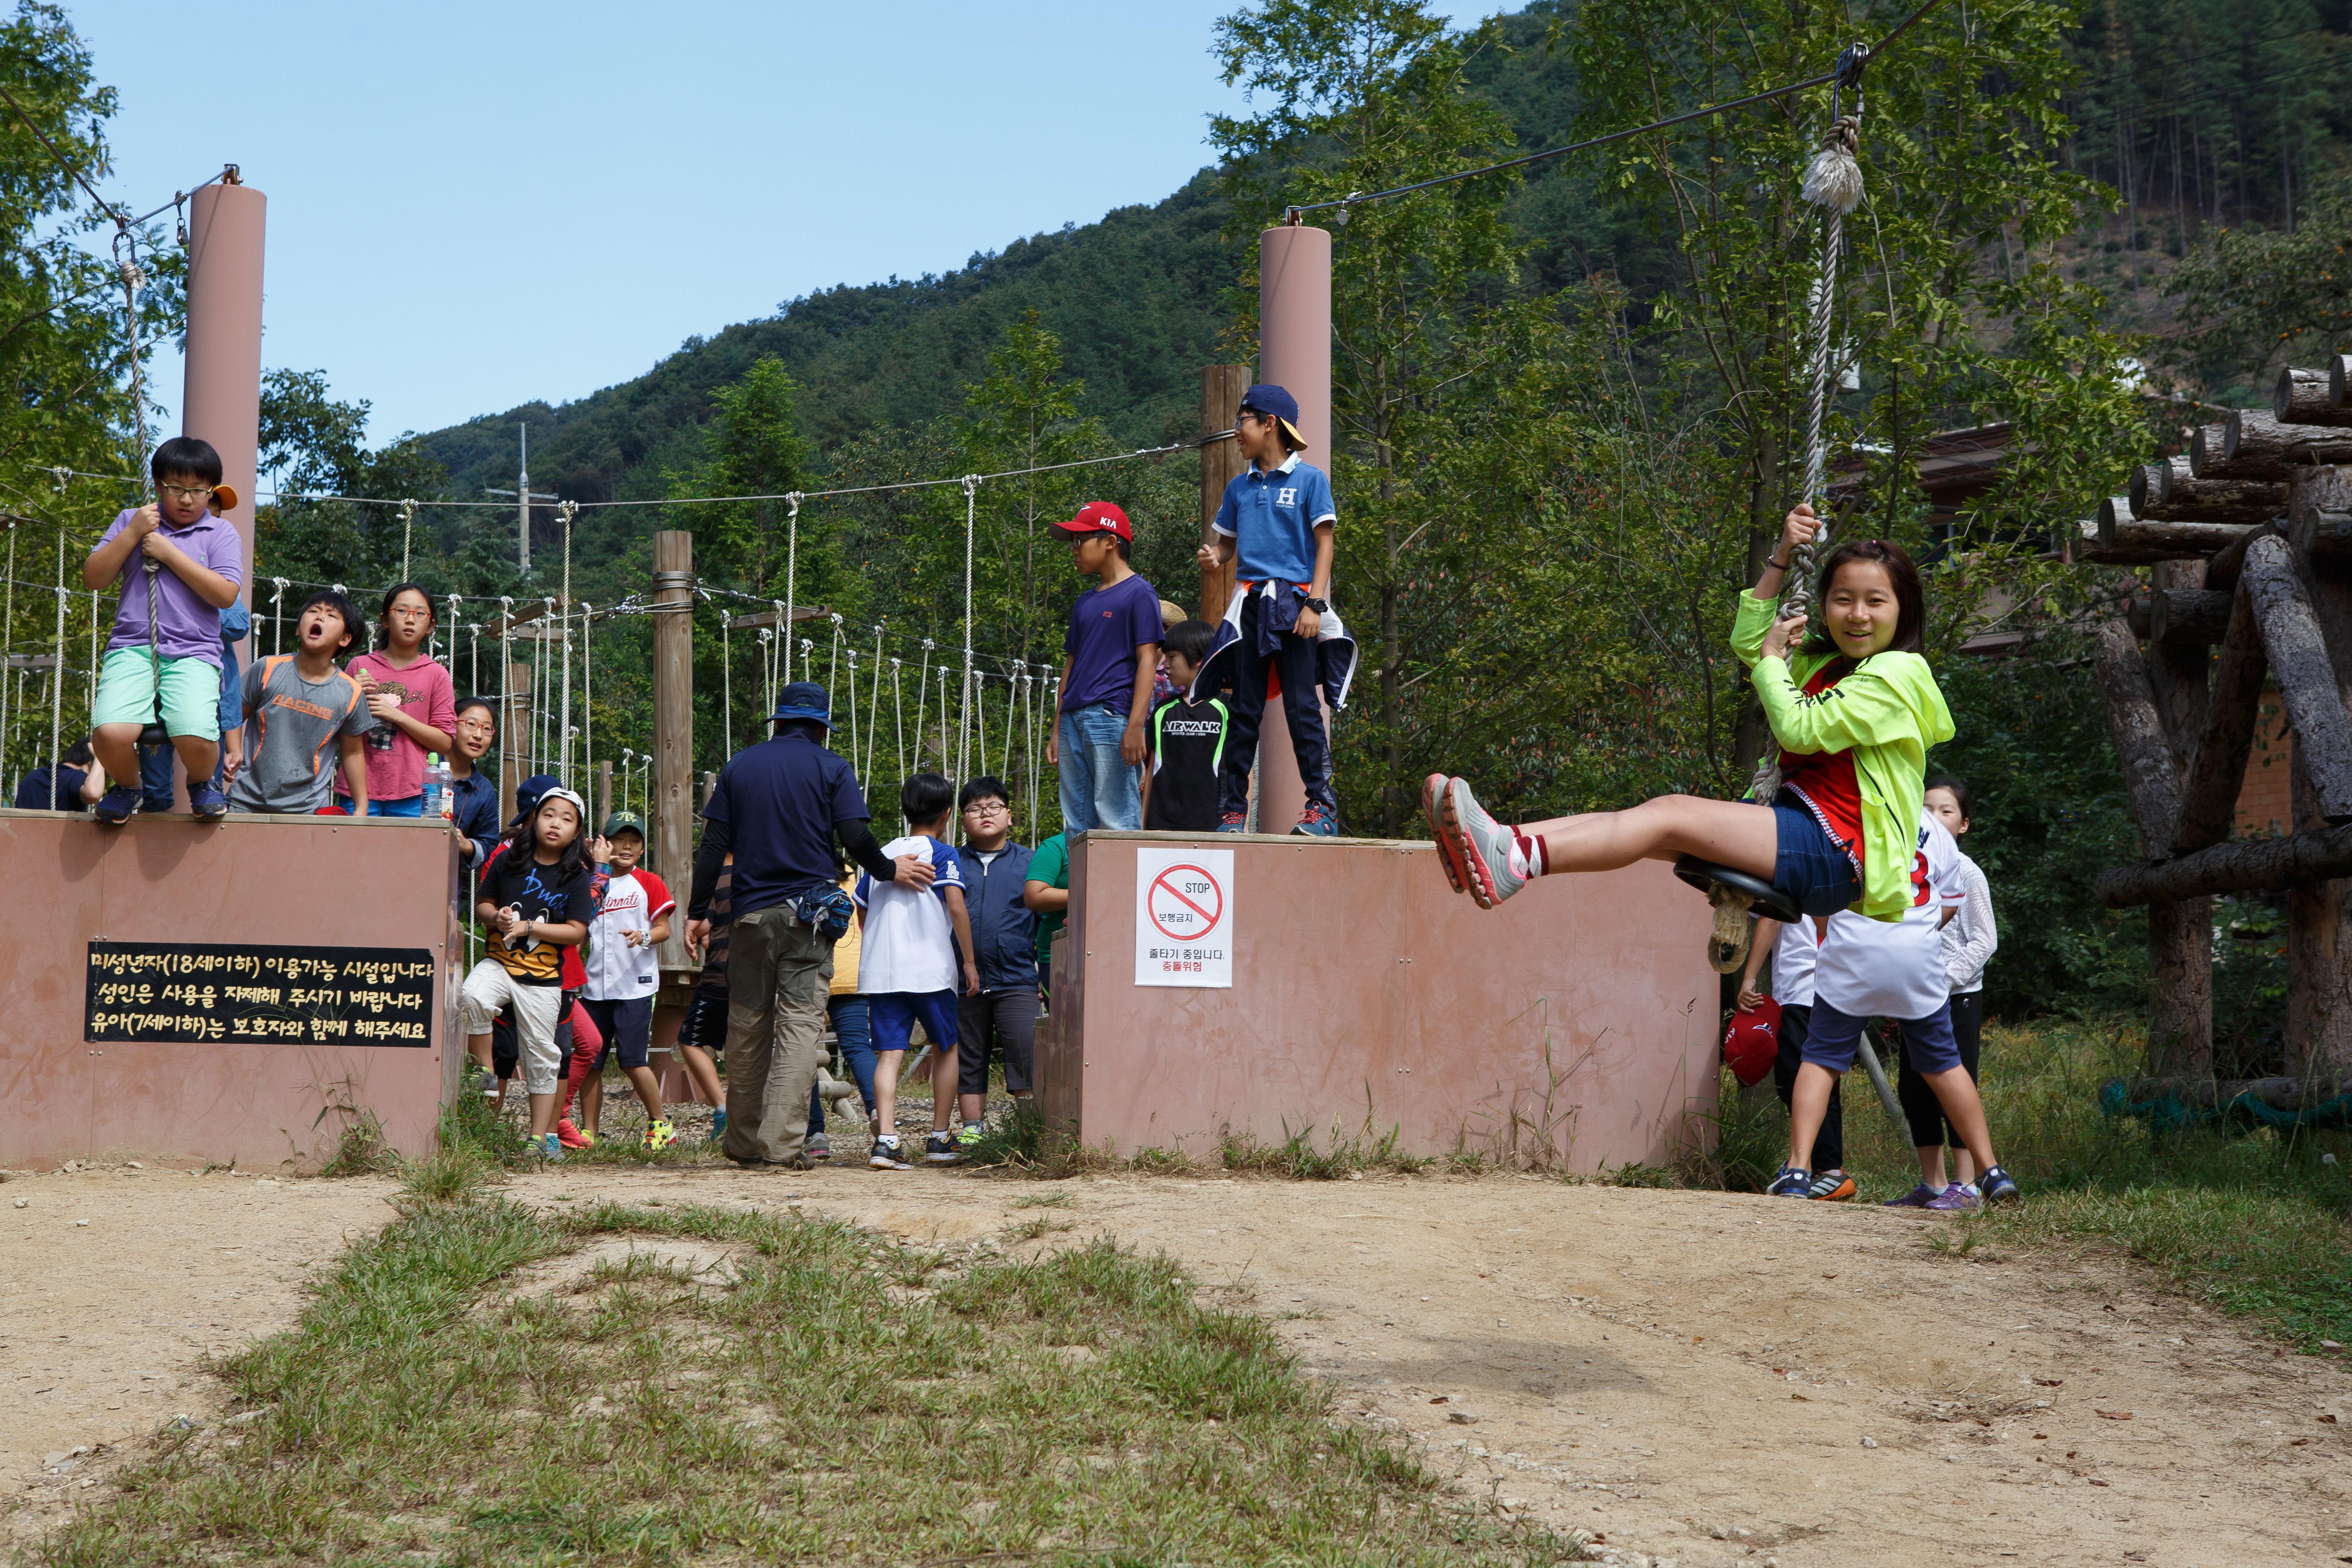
[
  {"x": 200, "y": 564},
  {"x": 1277, "y": 515},
  {"x": 1109, "y": 655},
  {"x": 1181, "y": 788}
]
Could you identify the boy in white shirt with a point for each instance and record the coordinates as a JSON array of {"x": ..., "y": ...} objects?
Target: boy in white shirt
[
  {"x": 1893, "y": 970},
  {"x": 908, "y": 969},
  {"x": 632, "y": 918}
]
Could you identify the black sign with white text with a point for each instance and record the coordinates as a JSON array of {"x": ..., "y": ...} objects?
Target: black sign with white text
[{"x": 288, "y": 996}]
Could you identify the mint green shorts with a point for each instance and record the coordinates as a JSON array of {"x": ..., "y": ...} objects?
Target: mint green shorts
[{"x": 126, "y": 693}]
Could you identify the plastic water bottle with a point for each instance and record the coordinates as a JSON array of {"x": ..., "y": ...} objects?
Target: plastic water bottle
[{"x": 437, "y": 785}]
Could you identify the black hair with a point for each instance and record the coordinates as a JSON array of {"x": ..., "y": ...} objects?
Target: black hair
[
  {"x": 1959, "y": 792},
  {"x": 78, "y": 754},
  {"x": 384, "y": 612},
  {"x": 1281, "y": 429},
  {"x": 987, "y": 787},
  {"x": 185, "y": 455},
  {"x": 1910, "y": 599},
  {"x": 342, "y": 605},
  {"x": 814, "y": 729},
  {"x": 925, "y": 797},
  {"x": 1190, "y": 638},
  {"x": 520, "y": 839},
  {"x": 465, "y": 702}
]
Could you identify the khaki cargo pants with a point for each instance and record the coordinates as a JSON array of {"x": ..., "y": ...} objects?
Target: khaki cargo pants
[{"x": 778, "y": 970}]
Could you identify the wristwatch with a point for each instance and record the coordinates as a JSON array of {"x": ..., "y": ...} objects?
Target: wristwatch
[{"x": 1318, "y": 605}]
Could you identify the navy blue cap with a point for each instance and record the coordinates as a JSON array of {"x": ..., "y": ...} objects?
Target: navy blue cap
[
  {"x": 1267, "y": 398},
  {"x": 804, "y": 699},
  {"x": 529, "y": 793}
]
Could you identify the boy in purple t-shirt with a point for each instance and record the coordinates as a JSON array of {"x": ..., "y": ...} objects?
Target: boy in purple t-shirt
[
  {"x": 1109, "y": 656},
  {"x": 199, "y": 564}
]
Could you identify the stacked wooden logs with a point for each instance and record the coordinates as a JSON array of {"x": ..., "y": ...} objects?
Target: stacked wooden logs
[{"x": 2255, "y": 521}]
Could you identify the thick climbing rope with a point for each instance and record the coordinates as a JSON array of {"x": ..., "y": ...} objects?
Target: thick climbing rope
[
  {"x": 852, "y": 709},
  {"x": 873, "y": 699},
  {"x": 944, "y": 754},
  {"x": 923, "y": 701},
  {"x": 1832, "y": 182},
  {"x": 506, "y": 699},
  {"x": 971, "y": 514},
  {"x": 898, "y": 716},
  {"x": 725, "y": 688},
  {"x": 57, "y": 667},
  {"x": 407, "y": 529},
  {"x": 277, "y": 617},
  {"x": 587, "y": 699}
]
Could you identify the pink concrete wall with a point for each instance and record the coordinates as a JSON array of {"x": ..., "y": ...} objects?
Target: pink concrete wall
[
  {"x": 296, "y": 881},
  {"x": 1576, "y": 1024}
]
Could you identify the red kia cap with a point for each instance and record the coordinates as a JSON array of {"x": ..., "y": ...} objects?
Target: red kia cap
[
  {"x": 1753, "y": 1042},
  {"x": 1098, "y": 516}
]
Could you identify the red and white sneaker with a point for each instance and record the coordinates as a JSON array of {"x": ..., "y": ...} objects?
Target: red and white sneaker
[
  {"x": 1432, "y": 795},
  {"x": 1482, "y": 845}
]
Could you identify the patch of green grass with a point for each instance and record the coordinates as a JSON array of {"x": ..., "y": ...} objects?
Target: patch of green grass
[
  {"x": 1344, "y": 1152},
  {"x": 1043, "y": 1201},
  {"x": 1034, "y": 1228},
  {"x": 2257, "y": 1223},
  {"x": 363, "y": 1150},
  {"x": 790, "y": 1408}
]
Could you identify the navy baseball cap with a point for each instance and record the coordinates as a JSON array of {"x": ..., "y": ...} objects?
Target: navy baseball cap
[
  {"x": 1267, "y": 398},
  {"x": 529, "y": 793},
  {"x": 804, "y": 699}
]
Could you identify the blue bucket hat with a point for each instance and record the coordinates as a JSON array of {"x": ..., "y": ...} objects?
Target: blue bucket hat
[
  {"x": 1267, "y": 398},
  {"x": 804, "y": 699}
]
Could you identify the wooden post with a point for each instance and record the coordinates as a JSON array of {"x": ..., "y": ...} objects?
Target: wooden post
[
  {"x": 671, "y": 819},
  {"x": 1222, "y": 386},
  {"x": 514, "y": 739},
  {"x": 604, "y": 807},
  {"x": 2319, "y": 914}
]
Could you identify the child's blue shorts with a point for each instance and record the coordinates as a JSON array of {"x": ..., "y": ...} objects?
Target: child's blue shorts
[
  {"x": 893, "y": 1014},
  {"x": 1807, "y": 865},
  {"x": 1832, "y": 1038}
]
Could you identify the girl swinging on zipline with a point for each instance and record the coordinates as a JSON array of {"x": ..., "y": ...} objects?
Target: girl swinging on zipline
[{"x": 1855, "y": 711}]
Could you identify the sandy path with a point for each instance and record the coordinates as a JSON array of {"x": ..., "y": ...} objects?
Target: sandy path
[
  {"x": 1658, "y": 1366},
  {"x": 101, "y": 1325},
  {"x": 1655, "y": 1366}
]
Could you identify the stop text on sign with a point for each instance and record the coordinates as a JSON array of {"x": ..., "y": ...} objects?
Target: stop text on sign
[{"x": 1183, "y": 916}]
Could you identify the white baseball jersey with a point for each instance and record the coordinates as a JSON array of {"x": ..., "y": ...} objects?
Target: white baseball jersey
[
  {"x": 617, "y": 972},
  {"x": 1883, "y": 969}
]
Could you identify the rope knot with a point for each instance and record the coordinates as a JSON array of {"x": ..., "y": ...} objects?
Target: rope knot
[{"x": 1833, "y": 178}]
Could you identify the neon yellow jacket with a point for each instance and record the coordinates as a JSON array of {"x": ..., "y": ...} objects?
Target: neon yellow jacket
[{"x": 1887, "y": 713}]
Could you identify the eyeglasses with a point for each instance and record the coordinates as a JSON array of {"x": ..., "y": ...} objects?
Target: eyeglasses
[
  {"x": 987, "y": 808},
  {"x": 185, "y": 492}
]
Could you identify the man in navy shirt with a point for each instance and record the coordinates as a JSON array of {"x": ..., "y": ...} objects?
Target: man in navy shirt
[
  {"x": 1109, "y": 655},
  {"x": 1278, "y": 514},
  {"x": 777, "y": 807}
]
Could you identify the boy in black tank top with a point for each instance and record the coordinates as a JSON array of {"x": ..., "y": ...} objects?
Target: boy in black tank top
[{"x": 1186, "y": 742}]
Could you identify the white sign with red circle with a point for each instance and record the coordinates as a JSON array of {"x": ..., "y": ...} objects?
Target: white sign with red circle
[{"x": 1183, "y": 916}]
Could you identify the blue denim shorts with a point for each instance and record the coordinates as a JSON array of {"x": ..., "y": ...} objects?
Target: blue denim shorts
[
  {"x": 1832, "y": 1038},
  {"x": 1808, "y": 867}
]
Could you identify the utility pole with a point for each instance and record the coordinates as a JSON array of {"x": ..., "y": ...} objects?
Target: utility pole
[
  {"x": 523, "y": 498},
  {"x": 671, "y": 817},
  {"x": 514, "y": 737},
  {"x": 1222, "y": 386}
]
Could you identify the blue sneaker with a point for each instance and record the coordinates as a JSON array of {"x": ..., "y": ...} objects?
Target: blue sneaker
[
  {"x": 1793, "y": 1182},
  {"x": 550, "y": 1149},
  {"x": 115, "y": 806},
  {"x": 208, "y": 802},
  {"x": 719, "y": 1124},
  {"x": 1318, "y": 821},
  {"x": 1234, "y": 822},
  {"x": 1999, "y": 1188}
]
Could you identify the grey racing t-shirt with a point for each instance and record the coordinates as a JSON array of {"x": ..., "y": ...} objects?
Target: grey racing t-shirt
[{"x": 290, "y": 740}]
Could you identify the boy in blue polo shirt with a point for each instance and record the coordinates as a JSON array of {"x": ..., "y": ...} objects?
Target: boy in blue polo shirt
[
  {"x": 1109, "y": 655},
  {"x": 1278, "y": 516}
]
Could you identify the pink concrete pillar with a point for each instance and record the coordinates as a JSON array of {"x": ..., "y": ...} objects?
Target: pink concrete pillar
[
  {"x": 1295, "y": 354},
  {"x": 222, "y": 400}
]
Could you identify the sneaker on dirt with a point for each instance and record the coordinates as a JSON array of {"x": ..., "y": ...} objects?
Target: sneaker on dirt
[
  {"x": 888, "y": 1155},
  {"x": 1831, "y": 1186},
  {"x": 1918, "y": 1197},
  {"x": 1957, "y": 1197},
  {"x": 941, "y": 1149},
  {"x": 1793, "y": 1182}
]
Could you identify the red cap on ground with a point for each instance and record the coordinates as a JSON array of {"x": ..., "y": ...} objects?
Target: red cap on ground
[
  {"x": 1098, "y": 516},
  {"x": 1753, "y": 1043}
]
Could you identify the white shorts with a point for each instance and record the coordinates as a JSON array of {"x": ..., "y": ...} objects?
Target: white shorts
[{"x": 490, "y": 990}]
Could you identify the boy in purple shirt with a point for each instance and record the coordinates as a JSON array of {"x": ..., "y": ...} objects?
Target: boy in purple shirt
[
  {"x": 199, "y": 564},
  {"x": 1109, "y": 656}
]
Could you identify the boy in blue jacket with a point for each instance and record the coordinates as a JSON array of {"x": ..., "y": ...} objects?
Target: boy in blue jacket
[
  {"x": 1001, "y": 1020},
  {"x": 1278, "y": 514}
]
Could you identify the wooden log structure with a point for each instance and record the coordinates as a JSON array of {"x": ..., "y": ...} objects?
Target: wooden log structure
[
  {"x": 2241, "y": 866},
  {"x": 2123, "y": 530},
  {"x": 2339, "y": 380},
  {"x": 2217, "y": 769},
  {"x": 2169, "y": 492},
  {"x": 2222, "y": 570},
  {"x": 2195, "y": 616},
  {"x": 2152, "y": 781},
  {"x": 2306, "y": 676},
  {"x": 2323, "y": 535}
]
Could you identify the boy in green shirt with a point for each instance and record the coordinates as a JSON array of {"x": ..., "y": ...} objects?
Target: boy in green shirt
[{"x": 1046, "y": 891}]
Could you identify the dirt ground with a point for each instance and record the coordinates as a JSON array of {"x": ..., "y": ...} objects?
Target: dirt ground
[{"x": 1697, "y": 1379}]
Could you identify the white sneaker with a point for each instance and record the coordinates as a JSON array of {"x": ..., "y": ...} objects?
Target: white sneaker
[{"x": 1481, "y": 845}]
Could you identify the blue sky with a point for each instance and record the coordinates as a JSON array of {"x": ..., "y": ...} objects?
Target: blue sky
[{"x": 471, "y": 205}]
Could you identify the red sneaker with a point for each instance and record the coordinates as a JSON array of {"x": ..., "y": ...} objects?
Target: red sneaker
[{"x": 570, "y": 1137}]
